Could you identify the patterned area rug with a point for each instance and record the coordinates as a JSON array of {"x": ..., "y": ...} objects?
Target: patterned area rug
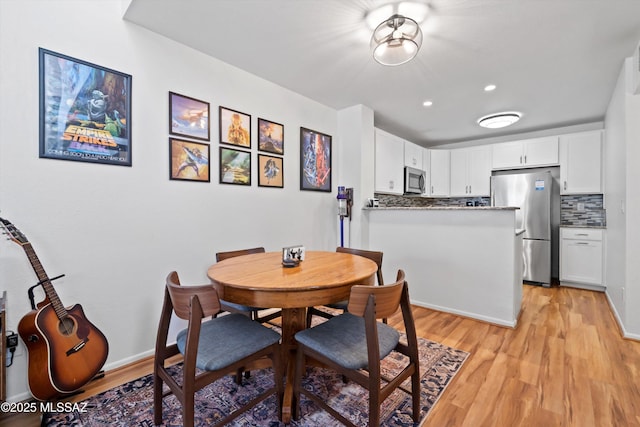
[{"x": 131, "y": 404}]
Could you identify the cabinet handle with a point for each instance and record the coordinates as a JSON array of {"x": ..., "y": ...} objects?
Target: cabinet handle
[
  {"x": 582, "y": 243},
  {"x": 390, "y": 185},
  {"x": 525, "y": 159},
  {"x": 469, "y": 189},
  {"x": 581, "y": 234},
  {"x": 520, "y": 159},
  {"x": 432, "y": 189},
  {"x": 565, "y": 185}
]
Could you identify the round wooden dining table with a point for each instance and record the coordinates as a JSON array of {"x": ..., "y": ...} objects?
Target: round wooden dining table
[{"x": 260, "y": 280}]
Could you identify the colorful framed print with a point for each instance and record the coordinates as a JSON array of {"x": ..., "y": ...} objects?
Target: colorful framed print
[
  {"x": 188, "y": 117},
  {"x": 235, "y": 128},
  {"x": 235, "y": 166},
  {"x": 315, "y": 160},
  {"x": 270, "y": 136},
  {"x": 270, "y": 172},
  {"x": 189, "y": 161},
  {"x": 85, "y": 111}
]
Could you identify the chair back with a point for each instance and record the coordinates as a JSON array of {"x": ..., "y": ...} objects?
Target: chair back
[
  {"x": 182, "y": 297},
  {"x": 386, "y": 298},
  {"x": 221, "y": 256},
  {"x": 374, "y": 256}
]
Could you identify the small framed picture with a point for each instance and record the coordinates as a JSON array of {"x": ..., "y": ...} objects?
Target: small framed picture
[
  {"x": 235, "y": 166},
  {"x": 235, "y": 128},
  {"x": 270, "y": 136},
  {"x": 189, "y": 161},
  {"x": 270, "y": 173},
  {"x": 188, "y": 117},
  {"x": 293, "y": 253},
  {"x": 315, "y": 160}
]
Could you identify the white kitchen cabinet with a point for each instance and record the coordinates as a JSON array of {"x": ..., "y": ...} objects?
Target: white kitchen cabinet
[
  {"x": 440, "y": 173},
  {"x": 581, "y": 163},
  {"x": 413, "y": 155},
  {"x": 470, "y": 172},
  {"x": 389, "y": 163},
  {"x": 581, "y": 257},
  {"x": 426, "y": 163},
  {"x": 526, "y": 153}
]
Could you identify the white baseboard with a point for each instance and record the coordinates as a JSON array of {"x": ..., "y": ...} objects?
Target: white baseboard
[
  {"x": 474, "y": 316},
  {"x": 623, "y": 331},
  {"x": 598, "y": 288}
]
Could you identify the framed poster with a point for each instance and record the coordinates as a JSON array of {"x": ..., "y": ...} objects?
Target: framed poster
[
  {"x": 235, "y": 128},
  {"x": 270, "y": 136},
  {"x": 270, "y": 173},
  {"x": 188, "y": 117},
  {"x": 235, "y": 166},
  {"x": 315, "y": 160},
  {"x": 188, "y": 161},
  {"x": 85, "y": 111}
]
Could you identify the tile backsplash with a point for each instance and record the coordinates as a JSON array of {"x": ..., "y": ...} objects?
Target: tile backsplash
[
  {"x": 390, "y": 200},
  {"x": 583, "y": 211}
]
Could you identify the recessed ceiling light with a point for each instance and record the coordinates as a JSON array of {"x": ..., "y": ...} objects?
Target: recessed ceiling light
[
  {"x": 489, "y": 88},
  {"x": 427, "y": 103},
  {"x": 499, "y": 120}
]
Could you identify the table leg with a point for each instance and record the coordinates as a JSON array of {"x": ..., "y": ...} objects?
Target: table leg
[{"x": 293, "y": 320}]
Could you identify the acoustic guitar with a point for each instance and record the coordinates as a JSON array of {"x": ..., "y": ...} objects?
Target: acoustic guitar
[{"x": 65, "y": 349}]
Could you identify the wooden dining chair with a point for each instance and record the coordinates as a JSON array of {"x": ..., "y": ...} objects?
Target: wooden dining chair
[
  {"x": 354, "y": 343},
  {"x": 210, "y": 349},
  {"x": 374, "y": 256},
  {"x": 252, "y": 312}
]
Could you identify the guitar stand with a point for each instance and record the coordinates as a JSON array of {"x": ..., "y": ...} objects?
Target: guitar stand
[{"x": 30, "y": 291}]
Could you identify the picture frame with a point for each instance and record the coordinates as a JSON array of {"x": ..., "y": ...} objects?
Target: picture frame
[
  {"x": 235, "y": 166},
  {"x": 315, "y": 160},
  {"x": 189, "y": 160},
  {"x": 189, "y": 117},
  {"x": 85, "y": 111},
  {"x": 270, "y": 171},
  {"x": 270, "y": 136},
  {"x": 295, "y": 253},
  {"x": 235, "y": 128}
]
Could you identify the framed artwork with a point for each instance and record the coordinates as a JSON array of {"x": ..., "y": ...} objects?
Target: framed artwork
[
  {"x": 188, "y": 160},
  {"x": 188, "y": 117},
  {"x": 270, "y": 136},
  {"x": 235, "y": 166},
  {"x": 235, "y": 128},
  {"x": 270, "y": 172},
  {"x": 315, "y": 160},
  {"x": 85, "y": 111}
]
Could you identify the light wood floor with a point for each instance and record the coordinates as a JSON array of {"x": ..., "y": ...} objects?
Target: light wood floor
[{"x": 565, "y": 364}]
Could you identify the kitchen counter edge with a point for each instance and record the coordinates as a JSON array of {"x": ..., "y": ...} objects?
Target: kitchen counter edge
[{"x": 440, "y": 208}]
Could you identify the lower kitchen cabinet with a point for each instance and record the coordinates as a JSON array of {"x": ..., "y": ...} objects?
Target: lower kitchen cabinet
[{"x": 581, "y": 258}]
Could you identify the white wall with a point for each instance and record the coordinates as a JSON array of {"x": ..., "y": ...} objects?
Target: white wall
[{"x": 117, "y": 231}]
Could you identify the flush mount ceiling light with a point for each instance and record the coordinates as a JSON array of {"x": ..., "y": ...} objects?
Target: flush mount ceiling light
[
  {"x": 396, "y": 40},
  {"x": 499, "y": 120}
]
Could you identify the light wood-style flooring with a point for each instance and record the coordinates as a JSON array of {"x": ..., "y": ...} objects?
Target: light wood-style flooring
[{"x": 566, "y": 364}]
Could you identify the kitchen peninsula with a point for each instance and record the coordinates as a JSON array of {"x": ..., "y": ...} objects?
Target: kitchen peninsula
[{"x": 461, "y": 260}]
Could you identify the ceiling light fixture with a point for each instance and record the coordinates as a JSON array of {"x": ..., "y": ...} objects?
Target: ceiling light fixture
[
  {"x": 427, "y": 103},
  {"x": 499, "y": 120},
  {"x": 396, "y": 40},
  {"x": 489, "y": 88}
]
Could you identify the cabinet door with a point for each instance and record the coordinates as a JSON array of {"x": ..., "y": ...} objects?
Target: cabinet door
[
  {"x": 479, "y": 165},
  {"x": 413, "y": 155},
  {"x": 581, "y": 163},
  {"x": 439, "y": 173},
  {"x": 459, "y": 173},
  {"x": 540, "y": 151},
  {"x": 507, "y": 155},
  {"x": 581, "y": 261},
  {"x": 389, "y": 163},
  {"x": 426, "y": 163}
]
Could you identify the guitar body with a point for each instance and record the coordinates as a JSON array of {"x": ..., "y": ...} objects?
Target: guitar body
[{"x": 64, "y": 354}]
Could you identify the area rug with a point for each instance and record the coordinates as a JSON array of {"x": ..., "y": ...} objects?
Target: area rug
[{"x": 131, "y": 404}]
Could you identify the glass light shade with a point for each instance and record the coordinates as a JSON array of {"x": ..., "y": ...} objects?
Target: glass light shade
[
  {"x": 396, "y": 40},
  {"x": 499, "y": 120}
]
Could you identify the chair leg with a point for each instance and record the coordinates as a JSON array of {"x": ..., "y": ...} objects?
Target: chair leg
[
  {"x": 297, "y": 383},
  {"x": 374, "y": 406},
  {"x": 157, "y": 400},
  {"x": 415, "y": 395},
  {"x": 188, "y": 408}
]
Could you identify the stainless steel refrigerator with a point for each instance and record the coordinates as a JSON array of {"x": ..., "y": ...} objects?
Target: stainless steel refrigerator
[{"x": 531, "y": 192}]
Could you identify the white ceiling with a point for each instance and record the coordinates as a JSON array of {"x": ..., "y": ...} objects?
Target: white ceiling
[{"x": 556, "y": 61}]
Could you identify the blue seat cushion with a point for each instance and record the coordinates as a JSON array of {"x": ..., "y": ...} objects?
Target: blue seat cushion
[
  {"x": 340, "y": 305},
  {"x": 239, "y": 307},
  {"x": 343, "y": 340},
  {"x": 227, "y": 339}
]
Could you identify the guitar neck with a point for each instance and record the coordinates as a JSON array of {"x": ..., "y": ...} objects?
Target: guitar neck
[{"x": 51, "y": 293}]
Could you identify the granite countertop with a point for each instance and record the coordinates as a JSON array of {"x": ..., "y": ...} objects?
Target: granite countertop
[{"x": 440, "y": 208}]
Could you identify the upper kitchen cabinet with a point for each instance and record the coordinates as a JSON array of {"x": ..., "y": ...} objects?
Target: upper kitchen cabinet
[
  {"x": 439, "y": 173},
  {"x": 526, "y": 154},
  {"x": 413, "y": 155},
  {"x": 470, "y": 172},
  {"x": 389, "y": 163},
  {"x": 426, "y": 164},
  {"x": 581, "y": 163}
]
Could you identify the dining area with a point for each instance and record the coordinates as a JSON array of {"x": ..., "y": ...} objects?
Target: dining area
[{"x": 327, "y": 311}]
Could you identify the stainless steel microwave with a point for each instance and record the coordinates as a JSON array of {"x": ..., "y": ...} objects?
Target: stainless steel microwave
[{"x": 414, "y": 181}]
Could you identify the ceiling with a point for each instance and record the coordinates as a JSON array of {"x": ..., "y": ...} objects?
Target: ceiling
[{"x": 556, "y": 61}]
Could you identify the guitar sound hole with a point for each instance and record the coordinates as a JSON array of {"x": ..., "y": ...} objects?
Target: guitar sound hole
[{"x": 66, "y": 326}]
